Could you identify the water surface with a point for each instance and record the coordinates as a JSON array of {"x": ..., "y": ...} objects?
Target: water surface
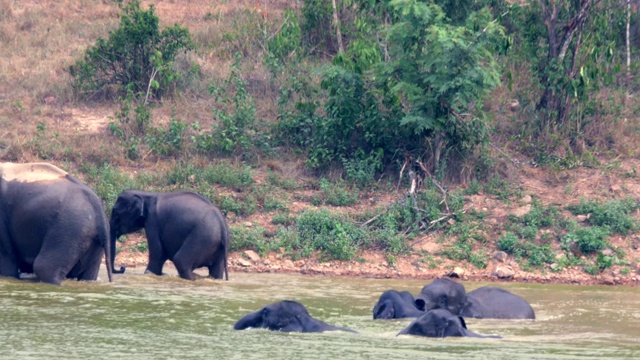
[{"x": 148, "y": 317}]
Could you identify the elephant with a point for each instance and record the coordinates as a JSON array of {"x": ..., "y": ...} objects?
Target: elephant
[
  {"x": 51, "y": 225},
  {"x": 182, "y": 226},
  {"x": 396, "y": 305},
  {"x": 496, "y": 303},
  {"x": 286, "y": 316},
  {"x": 442, "y": 293},
  {"x": 440, "y": 323}
]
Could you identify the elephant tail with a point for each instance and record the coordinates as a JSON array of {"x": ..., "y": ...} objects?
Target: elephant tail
[
  {"x": 226, "y": 249},
  {"x": 104, "y": 241}
]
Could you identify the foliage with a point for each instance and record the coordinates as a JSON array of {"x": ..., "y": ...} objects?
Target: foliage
[
  {"x": 108, "y": 183},
  {"x": 588, "y": 240},
  {"x": 169, "y": 141},
  {"x": 235, "y": 116},
  {"x": 137, "y": 57},
  {"x": 615, "y": 214},
  {"x": 321, "y": 230},
  {"x": 411, "y": 102},
  {"x": 337, "y": 194}
]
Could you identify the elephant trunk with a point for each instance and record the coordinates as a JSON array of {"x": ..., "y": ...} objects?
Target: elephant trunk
[{"x": 113, "y": 238}]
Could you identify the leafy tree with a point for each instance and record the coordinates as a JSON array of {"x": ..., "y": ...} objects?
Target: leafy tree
[{"x": 137, "y": 57}]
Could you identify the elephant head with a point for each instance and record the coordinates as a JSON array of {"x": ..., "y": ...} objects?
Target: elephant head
[
  {"x": 442, "y": 293},
  {"x": 440, "y": 323},
  {"x": 127, "y": 215},
  {"x": 287, "y": 316}
]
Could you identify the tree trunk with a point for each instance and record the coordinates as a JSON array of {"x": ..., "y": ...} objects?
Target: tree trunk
[{"x": 336, "y": 22}]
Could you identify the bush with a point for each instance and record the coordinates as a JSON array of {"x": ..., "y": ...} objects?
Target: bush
[
  {"x": 614, "y": 214},
  {"x": 337, "y": 238},
  {"x": 508, "y": 243},
  {"x": 589, "y": 240},
  {"x": 137, "y": 56}
]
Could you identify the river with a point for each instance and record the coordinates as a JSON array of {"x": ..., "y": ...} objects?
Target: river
[{"x": 148, "y": 317}]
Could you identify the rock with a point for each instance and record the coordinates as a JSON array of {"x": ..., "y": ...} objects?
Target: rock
[
  {"x": 527, "y": 199},
  {"x": 500, "y": 256},
  {"x": 243, "y": 263},
  {"x": 503, "y": 272},
  {"x": 553, "y": 266},
  {"x": 251, "y": 255},
  {"x": 608, "y": 252},
  {"x": 288, "y": 264},
  {"x": 248, "y": 224},
  {"x": 581, "y": 218},
  {"x": 457, "y": 272},
  {"x": 615, "y": 188},
  {"x": 522, "y": 211}
]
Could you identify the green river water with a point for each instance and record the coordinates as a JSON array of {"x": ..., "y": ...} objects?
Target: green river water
[{"x": 148, "y": 317}]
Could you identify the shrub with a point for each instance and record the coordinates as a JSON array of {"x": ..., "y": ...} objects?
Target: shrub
[
  {"x": 337, "y": 238},
  {"x": 614, "y": 214},
  {"x": 508, "y": 243},
  {"x": 137, "y": 56}
]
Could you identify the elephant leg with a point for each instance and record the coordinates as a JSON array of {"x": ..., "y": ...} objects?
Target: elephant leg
[
  {"x": 58, "y": 255},
  {"x": 184, "y": 264},
  {"x": 157, "y": 256},
  {"x": 216, "y": 269},
  {"x": 90, "y": 264},
  {"x": 8, "y": 266}
]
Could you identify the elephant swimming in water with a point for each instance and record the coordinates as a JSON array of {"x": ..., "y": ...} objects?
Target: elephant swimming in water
[
  {"x": 51, "y": 225},
  {"x": 396, "y": 305},
  {"x": 496, "y": 303},
  {"x": 287, "y": 316},
  {"x": 439, "y": 323},
  {"x": 183, "y": 227}
]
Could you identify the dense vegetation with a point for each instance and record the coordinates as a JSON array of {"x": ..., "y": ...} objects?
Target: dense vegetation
[{"x": 425, "y": 93}]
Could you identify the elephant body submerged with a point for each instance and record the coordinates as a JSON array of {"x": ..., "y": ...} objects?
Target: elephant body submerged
[
  {"x": 442, "y": 293},
  {"x": 183, "y": 227},
  {"x": 440, "y": 323},
  {"x": 287, "y": 316},
  {"x": 496, "y": 303},
  {"x": 396, "y": 305},
  {"x": 51, "y": 224}
]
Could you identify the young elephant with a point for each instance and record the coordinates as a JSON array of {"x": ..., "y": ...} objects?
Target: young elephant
[
  {"x": 496, "y": 303},
  {"x": 183, "y": 227},
  {"x": 51, "y": 225},
  {"x": 442, "y": 293},
  {"x": 396, "y": 305},
  {"x": 287, "y": 316},
  {"x": 440, "y": 323}
]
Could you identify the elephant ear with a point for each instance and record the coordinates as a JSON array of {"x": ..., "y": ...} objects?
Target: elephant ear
[
  {"x": 136, "y": 206},
  {"x": 384, "y": 310}
]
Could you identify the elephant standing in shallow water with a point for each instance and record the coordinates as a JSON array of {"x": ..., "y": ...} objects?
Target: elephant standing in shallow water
[
  {"x": 51, "y": 225},
  {"x": 287, "y": 316},
  {"x": 183, "y": 227}
]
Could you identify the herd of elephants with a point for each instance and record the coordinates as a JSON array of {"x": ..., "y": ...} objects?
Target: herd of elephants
[{"x": 54, "y": 226}]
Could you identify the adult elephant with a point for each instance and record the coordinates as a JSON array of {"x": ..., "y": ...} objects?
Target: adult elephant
[
  {"x": 440, "y": 323},
  {"x": 287, "y": 316},
  {"x": 51, "y": 224},
  {"x": 183, "y": 227},
  {"x": 442, "y": 293},
  {"x": 496, "y": 303},
  {"x": 393, "y": 304}
]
